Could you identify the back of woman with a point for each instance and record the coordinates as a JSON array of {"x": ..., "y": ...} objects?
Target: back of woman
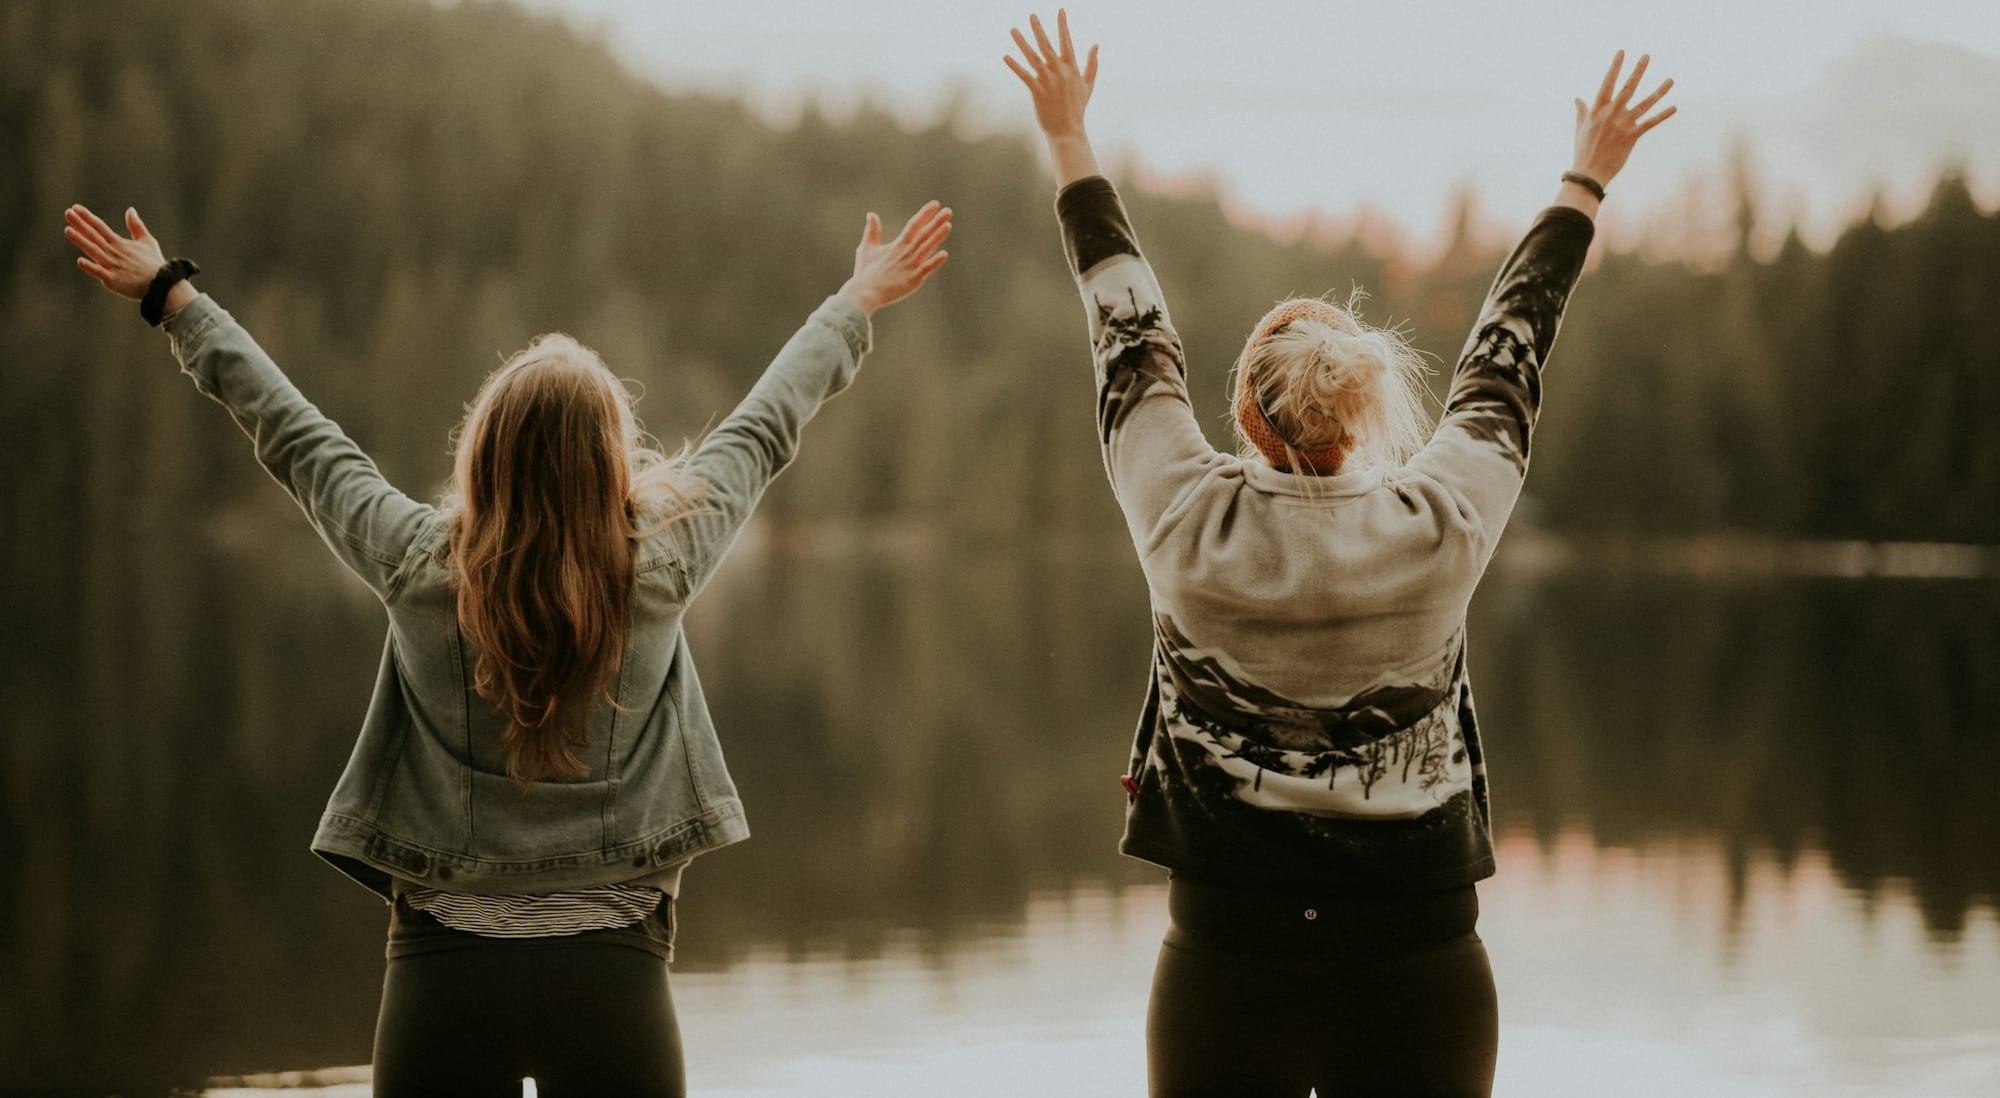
[
  {"x": 537, "y": 766},
  {"x": 1308, "y": 763}
]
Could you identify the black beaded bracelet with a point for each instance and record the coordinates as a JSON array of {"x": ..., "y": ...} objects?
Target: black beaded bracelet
[
  {"x": 1587, "y": 183},
  {"x": 154, "y": 305}
]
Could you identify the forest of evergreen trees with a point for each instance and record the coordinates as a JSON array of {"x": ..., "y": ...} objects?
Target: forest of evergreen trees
[{"x": 392, "y": 193}]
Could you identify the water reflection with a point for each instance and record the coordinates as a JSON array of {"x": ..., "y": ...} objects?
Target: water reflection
[
  {"x": 1610, "y": 965},
  {"x": 1726, "y": 805},
  {"x": 1787, "y": 718}
]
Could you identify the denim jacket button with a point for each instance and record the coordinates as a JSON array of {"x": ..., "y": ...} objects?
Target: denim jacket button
[
  {"x": 639, "y": 862},
  {"x": 663, "y": 851},
  {"x": 444, "y": 873}
]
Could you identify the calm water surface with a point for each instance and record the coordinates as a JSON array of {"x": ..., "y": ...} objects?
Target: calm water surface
[{"x": 1749, "y": 831}]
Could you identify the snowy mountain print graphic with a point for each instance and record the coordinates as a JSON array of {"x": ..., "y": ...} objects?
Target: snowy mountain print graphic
[{"x": 1391, "y": 752}]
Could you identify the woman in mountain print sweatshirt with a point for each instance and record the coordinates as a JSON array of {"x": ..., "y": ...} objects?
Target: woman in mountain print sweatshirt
[{"x": 1308, "y": 765}]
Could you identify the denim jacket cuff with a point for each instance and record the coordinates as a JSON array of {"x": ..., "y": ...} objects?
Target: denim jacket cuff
[
  {"x": 189, "y": 326},
  {"x": 846, "y": 317}
]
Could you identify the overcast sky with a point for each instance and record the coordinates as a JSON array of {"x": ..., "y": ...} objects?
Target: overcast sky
[{"x": 1309, "y": 105}]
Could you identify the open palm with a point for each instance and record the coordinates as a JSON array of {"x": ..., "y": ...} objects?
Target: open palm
[
  {"x": 888, "y": 272},
  {"x": 124, "y": 266},
  {"x": 1060, "y": 86},
  {"x": 1607, "y": 128}
]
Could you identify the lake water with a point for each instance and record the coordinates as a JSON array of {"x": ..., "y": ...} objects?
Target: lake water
[{"x": 1750, "y": 836}]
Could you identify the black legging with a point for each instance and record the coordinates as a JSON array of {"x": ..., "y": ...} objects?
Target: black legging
[
  {"x": 584, "y": 1014},
  {"x": 1260, "y": 996}
]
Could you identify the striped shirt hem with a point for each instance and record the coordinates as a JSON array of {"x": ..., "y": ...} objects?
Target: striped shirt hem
[{"x": 538, "y": 915}]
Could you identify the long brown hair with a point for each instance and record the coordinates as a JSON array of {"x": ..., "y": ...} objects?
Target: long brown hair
[{"x": 550, "y": 478}]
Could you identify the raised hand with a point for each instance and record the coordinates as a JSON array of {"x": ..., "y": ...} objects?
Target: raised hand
[
  {"x": 887, "y": 273},
  {"x": 124, "y": 266},
  {"x": 1061, "y": 89},
  {"x": 1607, "y": 129}
]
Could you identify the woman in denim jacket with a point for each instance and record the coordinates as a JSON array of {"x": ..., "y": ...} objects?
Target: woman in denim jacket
[{"x": 537, "y": 765}]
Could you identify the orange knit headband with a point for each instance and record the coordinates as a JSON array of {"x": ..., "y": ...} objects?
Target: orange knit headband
[{"x": 1250, "y": 415}]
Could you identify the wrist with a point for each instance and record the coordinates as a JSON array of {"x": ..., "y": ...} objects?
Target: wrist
[
  {"x": 1578, "y": 198},
  {"x": 1073, "y": 156},
  {"x": 858, "y": 296},
  {"x": 171, "y": 277},
  {"x": 1596, "y": 175},
  {"x": 181, "y": 296}
]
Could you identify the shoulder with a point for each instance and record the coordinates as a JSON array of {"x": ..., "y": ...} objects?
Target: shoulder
[{"x": 433, "y": 538}]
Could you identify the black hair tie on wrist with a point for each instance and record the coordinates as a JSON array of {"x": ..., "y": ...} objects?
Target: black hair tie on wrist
[
  {"x": 154, "y": 305},
  {"x": 1587, "y": 183}
]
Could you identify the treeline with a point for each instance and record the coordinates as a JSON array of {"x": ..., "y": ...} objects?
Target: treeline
[
  {"x": 1822, "y": 395},
  {"x": 392, "y": 194}
]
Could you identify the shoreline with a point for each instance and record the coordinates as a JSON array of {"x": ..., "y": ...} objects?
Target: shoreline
[{"x": 1524, "y": 551}]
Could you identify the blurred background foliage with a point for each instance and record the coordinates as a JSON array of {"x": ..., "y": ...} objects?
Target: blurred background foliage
[{"x": 392, "y": 194}]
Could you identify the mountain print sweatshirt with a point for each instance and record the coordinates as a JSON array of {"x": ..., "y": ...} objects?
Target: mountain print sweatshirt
[{"x": 1309, "y": 722}]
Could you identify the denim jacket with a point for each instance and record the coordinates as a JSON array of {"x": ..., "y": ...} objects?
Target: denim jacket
[{"x": 425, "y": 796}]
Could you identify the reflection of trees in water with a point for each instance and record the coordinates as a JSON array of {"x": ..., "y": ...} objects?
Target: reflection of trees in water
[
  {"x": 175, "y": 712},
  {"x": 921, "y": 743},
  {"x": 1851, "y": 717}
]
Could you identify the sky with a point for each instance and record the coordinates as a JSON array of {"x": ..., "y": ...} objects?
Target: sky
[{"x": 1384, "y": 111}]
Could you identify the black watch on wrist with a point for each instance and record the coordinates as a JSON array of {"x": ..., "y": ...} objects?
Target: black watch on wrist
[{"x": 154, "y": 304}]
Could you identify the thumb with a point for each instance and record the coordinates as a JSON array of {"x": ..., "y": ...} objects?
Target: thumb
[
  {"x": 872, "y": 233},
  {"x": 135, "y": 226},
  {"x": 1581, "y": 110}
]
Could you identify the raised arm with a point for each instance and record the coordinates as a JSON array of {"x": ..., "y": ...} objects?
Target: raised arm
[
  {"x": 367, "y": 523},
  {"x": 1153, "y": 448},
  {"x": 1480, "y": 450},
  {"x": 739, "y": 459}
]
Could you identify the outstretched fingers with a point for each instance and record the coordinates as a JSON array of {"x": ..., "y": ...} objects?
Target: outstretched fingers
[
  {"x": 106, "y": 232},
  {"x": 1632, "y": 84},
  {"x": 1646, "y": 104},
  {"x": 85, "y": 243},
  {"x": 84, "y": 226},
  {"x": 1034, "y": 56},
  {"x": 1655, "y": 120},
  {"x": 918, "y": 221},
  {"x": 1090, "y": 69},
  {"x": 1062, "y": 35},
  {"x": 1049, "y": 54},
  {"x": 932, "y": 236},
  {"x": 1610, "y": 78}
]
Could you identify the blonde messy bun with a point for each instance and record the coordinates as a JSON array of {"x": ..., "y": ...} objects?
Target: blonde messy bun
[{"x": 1317, "y": 389}]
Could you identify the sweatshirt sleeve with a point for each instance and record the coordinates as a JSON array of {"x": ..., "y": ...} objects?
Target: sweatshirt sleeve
[
  {"x": 740, "y": 458},
  {"x": 364, "y": 519},
  {"x": 1480, "y": 450},
  {"x": 1154, "y": 450}
]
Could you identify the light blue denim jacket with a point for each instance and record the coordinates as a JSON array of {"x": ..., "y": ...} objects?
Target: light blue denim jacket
[{"x": 425, "y": 796}]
